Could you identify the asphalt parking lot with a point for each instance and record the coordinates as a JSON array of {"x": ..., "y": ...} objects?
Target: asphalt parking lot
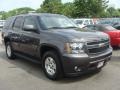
[{"x": 20, "y": 74}]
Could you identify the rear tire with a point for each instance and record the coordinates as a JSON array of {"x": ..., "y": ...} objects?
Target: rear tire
[
  {"x": 52, "y": 66},
  {"x": 9, "y": 51}
]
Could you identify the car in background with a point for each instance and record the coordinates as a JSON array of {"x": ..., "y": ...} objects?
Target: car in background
[
  {"x": 83, "y": 22},
  {"x": 113, "y": 33},
  {"x": 117, "y": 26},
  {"x": 2, "y": 22},
  {"x": 109, "y": 21}
]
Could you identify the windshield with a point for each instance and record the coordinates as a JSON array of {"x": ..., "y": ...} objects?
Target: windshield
[
  {"x": 79, "y": 21},
  {"x": 56, "y": 22},
  {"x": 109, "y": 28},
  {"x": 91, "y": 22}
]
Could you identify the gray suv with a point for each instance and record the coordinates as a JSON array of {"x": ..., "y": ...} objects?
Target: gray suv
[{"x": 55, "y": 41}]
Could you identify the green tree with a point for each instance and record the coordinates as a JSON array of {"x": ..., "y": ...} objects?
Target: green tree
[
  {"x": 51, "y": 6},
  {"x": 113, "y": 12},
  {"x": 90, "y": 8},
  {"x": 105, "y": 14},
  {"x": 68, "y": 9},
  {"x": 18, "y": 11},
  {"x": 3, "y": 15}
]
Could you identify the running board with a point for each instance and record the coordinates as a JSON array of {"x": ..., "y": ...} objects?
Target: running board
[{"x": 27, "y": 58}]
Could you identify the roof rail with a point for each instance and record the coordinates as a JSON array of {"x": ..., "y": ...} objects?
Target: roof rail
[{"x": 31, "y": 12}]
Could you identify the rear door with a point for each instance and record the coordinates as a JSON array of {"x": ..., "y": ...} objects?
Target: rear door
[
  {"x": 16, "y": 33},
  {"x": 7, "y": 28}
]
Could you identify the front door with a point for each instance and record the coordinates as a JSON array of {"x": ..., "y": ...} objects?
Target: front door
[{"x": 30, "y": 40}]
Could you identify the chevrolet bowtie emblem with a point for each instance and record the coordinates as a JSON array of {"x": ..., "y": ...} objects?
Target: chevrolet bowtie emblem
[{"x": 101, "y": 45}]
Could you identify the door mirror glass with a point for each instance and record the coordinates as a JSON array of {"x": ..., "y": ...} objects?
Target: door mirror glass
[
  {"x": 30, "y": 28},
  {"x": 30, "y": 24}
]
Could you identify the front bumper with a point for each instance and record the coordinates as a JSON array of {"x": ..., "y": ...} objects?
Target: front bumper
[{"x": 78, "y": 64}]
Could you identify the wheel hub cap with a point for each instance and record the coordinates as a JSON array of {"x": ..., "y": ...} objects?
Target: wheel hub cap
[
  {"x": 50, "y": 65},
  {"x": 8, "y": 50}
]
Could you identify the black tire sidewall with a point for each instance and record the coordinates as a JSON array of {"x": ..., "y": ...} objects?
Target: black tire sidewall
[
  {"x": 12, "y": 53},
  {"x": 58, "y": 73}
]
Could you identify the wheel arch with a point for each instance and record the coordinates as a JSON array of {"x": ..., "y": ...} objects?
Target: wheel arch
[
  {"x": 6, "y": 39},
  {"x": 48, "y": 47}
]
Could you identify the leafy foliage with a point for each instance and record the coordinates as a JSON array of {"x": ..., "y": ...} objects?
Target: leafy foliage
[
  {"x": 113, "y": 12},
  {"x": 51, "y": 6},
  {"x": 89, "y": 8},
  {"x": 68, "y": 9},
  {"x": 75, "y": 9},
  {"x": 16, "y": 12}
]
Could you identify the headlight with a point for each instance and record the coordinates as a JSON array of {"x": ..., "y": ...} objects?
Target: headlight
[{"x": 74, "y": 48}]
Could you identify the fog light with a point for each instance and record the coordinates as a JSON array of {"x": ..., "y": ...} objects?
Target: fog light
[{"x": 77, "y": 69}]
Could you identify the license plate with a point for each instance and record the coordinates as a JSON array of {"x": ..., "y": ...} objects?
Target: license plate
[{"x": 100, "y": 64}]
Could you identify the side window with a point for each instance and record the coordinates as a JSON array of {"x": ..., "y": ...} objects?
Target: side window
[
  {"x": 91, "y": 27},
  {"x": 18, "y": 23},
  {"x": 98, "y": 28},
  {"x": 30, "y": 21},
  {"x": 79, "y": 21},
  {"x": 91, "y": 22},
  {"x": 86, "y": 22}
]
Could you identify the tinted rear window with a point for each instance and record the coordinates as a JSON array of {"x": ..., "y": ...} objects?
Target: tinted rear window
[{"x": 79, "y": 21}]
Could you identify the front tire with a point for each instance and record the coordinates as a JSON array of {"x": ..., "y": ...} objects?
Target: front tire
[
  {"x": 9, "y": 51},
  {"x": 52, "y": 66}
]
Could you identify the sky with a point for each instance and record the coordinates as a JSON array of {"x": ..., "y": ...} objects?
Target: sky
[{"x": 6, "y": 5}]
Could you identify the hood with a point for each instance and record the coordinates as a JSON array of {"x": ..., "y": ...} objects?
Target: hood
[{"x": 78, "y": 34}]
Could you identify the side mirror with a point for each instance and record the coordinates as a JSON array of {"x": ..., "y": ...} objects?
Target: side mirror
[{"x": 31, "y": 28}]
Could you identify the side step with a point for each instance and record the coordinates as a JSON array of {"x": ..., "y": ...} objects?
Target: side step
[{"x": 27, "y": 58}]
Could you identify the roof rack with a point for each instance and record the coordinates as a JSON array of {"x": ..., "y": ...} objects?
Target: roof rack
[{"x": 31, "y": 12}]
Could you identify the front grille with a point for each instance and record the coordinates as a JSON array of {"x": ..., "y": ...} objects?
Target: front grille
[
  {"x": 97, "y": 42},
  {"x": 97, "y": 47},
  {"x": 100, "y": 49}
]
